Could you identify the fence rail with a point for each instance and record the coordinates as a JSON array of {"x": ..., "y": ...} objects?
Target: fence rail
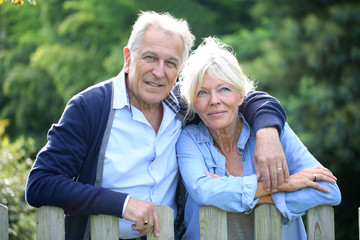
[{"x": 213, "y": 224}]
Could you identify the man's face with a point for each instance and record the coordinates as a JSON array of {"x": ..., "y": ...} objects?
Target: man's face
[{"x": 153, "y": 69}]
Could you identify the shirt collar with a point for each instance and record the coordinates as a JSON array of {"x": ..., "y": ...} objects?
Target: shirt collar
[
  {"x": 121, "y": 97},
  {"x": 204, "y": 134}
]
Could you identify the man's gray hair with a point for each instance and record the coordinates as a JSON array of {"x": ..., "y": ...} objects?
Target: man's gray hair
[{"x": 161, "y": 21}]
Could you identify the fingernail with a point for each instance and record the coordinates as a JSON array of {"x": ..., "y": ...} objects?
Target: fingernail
[{"x": 267, "y": 189}]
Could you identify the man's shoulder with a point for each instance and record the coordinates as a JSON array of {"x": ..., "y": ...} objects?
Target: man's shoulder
[
  {"x": 104, "y": 87},
  {"x": 97, "y": 93}
]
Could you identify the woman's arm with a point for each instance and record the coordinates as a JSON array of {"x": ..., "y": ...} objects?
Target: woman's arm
[
  {"x": 294, "y": 204},
  {"x": 302, "y": 179}
]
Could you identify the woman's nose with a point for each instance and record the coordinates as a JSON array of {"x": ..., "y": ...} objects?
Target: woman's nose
[{"x": 214, "y": 98}]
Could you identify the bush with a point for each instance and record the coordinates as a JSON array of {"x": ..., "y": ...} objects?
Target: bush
[{"x": 15, "y": 163}]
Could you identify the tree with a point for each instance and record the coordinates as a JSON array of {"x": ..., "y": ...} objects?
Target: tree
[
  {"x": 15, "y": 163},
  {"x": 309, "y": 56}
]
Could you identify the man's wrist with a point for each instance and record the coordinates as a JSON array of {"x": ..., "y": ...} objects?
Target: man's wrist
[
  {"x": 267, "y": 130},
  {"x": 125, "y": 204}
]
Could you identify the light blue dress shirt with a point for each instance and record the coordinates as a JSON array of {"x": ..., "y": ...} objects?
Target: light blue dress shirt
[
  {"x": 197, "y": 154},
  {"x": 139, "y": 161}
]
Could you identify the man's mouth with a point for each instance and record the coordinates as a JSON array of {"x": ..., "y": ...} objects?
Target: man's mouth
[{"x": 153, "y": 84}]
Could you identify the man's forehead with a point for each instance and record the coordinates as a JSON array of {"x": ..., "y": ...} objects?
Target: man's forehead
[{"x": 159, "y": 41}]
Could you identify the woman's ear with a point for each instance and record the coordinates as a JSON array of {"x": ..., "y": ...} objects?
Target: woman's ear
[{"x": 127, "y": 59}]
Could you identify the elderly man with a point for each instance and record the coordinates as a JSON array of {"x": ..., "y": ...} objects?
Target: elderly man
[{"x": 113, "y": 150}]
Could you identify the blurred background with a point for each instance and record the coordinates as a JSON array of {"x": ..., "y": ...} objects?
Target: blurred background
[{"x": 306, "y": 53}]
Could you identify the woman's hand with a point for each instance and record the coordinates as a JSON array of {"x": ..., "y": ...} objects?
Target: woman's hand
[
  {"x": 212, "y": 175},
  {"x": 308, "y": 178}
]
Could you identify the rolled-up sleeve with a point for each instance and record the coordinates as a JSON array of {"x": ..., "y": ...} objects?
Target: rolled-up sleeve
[{"x": 295, "y": 204}]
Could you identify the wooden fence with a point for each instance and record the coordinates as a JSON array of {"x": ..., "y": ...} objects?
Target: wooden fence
[{"x": 213, "y": 224}]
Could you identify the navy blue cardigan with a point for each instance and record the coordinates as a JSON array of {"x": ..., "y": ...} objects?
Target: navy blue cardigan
[{"x": 64, "y": 173}]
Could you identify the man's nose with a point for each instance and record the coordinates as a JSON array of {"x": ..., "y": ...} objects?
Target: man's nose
[{"x": 159, "y": 69}]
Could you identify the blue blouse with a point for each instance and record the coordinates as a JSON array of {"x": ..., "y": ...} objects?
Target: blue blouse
[{"x": 197, "y": 154}]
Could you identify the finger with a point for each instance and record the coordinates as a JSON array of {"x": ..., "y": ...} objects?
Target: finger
[
  {"x": 285, "y": 170},
  {"x": 323, "y": 177},
  {"x": 257, "y": 171},
  {"x": 266, "y": 178},
  {"x": 212, "y": 174},
  {"x": 156, "y": 225},
  {"x": 274, "y": 178},
  {"x": 280, "y": 177},
  {"x": 319, "y": 187}
]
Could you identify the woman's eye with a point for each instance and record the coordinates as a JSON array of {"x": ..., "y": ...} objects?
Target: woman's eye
[
  {"x": 201, "y": 92},
  {"x": 149, "y": 57},
  {"x": 224, "y": 89}
]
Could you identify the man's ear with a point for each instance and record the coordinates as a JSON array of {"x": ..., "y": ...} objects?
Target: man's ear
[{"x": 127, "y": 59}]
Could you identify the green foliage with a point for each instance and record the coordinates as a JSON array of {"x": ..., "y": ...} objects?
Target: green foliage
[
  {"x": 306, "y": 53},
  {"x": 15, "y": 163},
  {"x": 308, "y": 57}
]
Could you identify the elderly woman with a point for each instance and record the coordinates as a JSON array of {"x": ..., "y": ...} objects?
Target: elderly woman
[{"x": 216, "y": 156}]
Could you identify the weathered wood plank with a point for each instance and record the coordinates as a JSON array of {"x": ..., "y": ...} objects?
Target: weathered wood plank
[
  {"x": 4, "y": 223},
  {"x": 166, "y": 215},
  {"x": 213, "y": 223},
  {"x": 267, "y": 222},
  {"x": 320, "y": 223},
  {"x": 50, "y": 223},
  {"x": 104, "y": 227}
]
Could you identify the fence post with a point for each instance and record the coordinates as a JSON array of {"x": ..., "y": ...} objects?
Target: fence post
[
  {"x": 320, "y": 223},
  {"x": 166, "y": 215},
  {"x": 213, "y": 223},
  {"x": 50, "y": 223},
  {"x": 267, "y": 222},
  {"x": 4, "y": 222},
  {"x": 104, "y": 227},
  {"x": 359, "y": 222}
]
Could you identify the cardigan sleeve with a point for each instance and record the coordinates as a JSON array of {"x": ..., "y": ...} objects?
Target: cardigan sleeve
[
  {"x": 262, "y": 110},
  {"x": 53, "y": 180}
]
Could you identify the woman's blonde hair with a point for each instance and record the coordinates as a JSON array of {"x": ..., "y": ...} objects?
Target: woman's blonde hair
[{"x": 217, "y": 60}]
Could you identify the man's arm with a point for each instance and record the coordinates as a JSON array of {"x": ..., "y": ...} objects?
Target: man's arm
[
  {"x": 267, "y": 117},
  {"x": 53, "y": 178}
]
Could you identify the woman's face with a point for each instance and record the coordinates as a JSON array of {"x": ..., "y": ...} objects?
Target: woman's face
[{"x": 217, "y": 103}]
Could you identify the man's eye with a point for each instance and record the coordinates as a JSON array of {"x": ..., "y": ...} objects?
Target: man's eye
[
  {"x": 149, "y": 57},
  {"x": 171, "y": 64}
]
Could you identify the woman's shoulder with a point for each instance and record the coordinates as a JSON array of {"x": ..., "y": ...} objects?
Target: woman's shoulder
[{"x": 198, "y": 132}]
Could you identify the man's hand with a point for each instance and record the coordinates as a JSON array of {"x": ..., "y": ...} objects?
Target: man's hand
[
  {"x": 269, "y": 159},
  {"x": 144, "y": 215}
]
